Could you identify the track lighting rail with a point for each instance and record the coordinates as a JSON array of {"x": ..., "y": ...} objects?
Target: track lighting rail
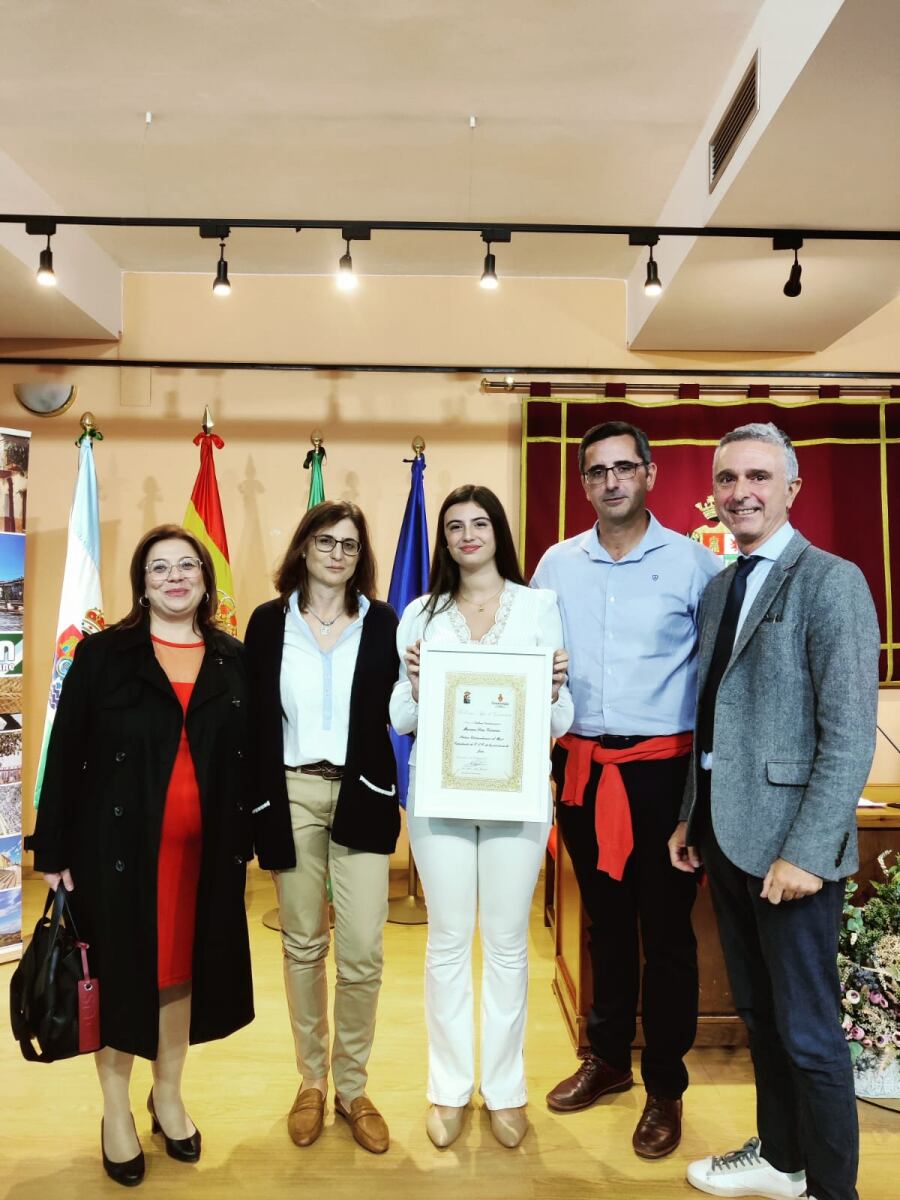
[
  {"x": 39, "y": 224},
  {"x": 870, "y": 380}
]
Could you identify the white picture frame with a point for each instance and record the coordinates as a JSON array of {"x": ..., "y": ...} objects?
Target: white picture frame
[{"x": 483, "y": 741}]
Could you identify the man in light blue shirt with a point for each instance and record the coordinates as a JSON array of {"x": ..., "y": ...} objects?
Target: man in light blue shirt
[{"x": 629, "y": 591}]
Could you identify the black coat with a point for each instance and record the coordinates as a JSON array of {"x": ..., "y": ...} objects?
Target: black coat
[
  {"x": 367, "y": 816},
  {"x": 110, "y": 758}
]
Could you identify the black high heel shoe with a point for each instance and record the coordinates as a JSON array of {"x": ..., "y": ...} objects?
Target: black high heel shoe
[
  {"x": 183, "y": 1149},
  {"x": 130, "y": 1173}
]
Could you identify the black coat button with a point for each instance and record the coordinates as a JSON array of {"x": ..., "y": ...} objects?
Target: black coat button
[
  {"x": 120, "y": 866},
  {"x": 118, "y": 810},
  {"x": 120, "y": 756},
  {"x": 218, "y": 662},
  {"x": 240, "y": 754},
  {"x": 236, "y": 702},
  {"x": 238, "y": 861}
]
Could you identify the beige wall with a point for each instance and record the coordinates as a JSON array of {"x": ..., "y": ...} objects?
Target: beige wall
[{"x": 147, "y": 463}]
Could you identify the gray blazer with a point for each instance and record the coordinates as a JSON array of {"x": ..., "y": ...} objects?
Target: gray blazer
[{"x": 795, "y": 715}]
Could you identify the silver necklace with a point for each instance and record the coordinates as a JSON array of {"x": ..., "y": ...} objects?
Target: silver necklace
[{"x": 324, "y": 626}]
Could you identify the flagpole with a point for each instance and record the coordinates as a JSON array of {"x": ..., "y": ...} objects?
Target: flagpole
[
  {"x": 81, "y": 602},
  {"x": 410, "y": 909},
  {"x": 312, "y": 463},
  {"x": 204, "y": 519}
]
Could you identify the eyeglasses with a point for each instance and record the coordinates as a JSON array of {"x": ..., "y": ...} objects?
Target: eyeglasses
[
  {"x": 326, "y": 543},
  {"x": 160, "y": 568},
  {"x": 621, "y": 470}
]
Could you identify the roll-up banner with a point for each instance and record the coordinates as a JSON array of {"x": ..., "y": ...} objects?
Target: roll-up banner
[{"x": 14, "y": 447}]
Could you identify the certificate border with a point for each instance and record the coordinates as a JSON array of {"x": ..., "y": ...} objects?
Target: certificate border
[{"x": 431, "y": 798}]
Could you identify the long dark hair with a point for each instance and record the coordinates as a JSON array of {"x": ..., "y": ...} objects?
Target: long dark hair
[
  {"x": 444, "y": 577},
  {"x": 292, "y": 575},
  {"x": 139, "y": 614}
]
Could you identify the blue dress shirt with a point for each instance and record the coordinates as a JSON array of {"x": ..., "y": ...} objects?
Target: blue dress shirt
[
  {"x": 630, "y": 629},
  {"x": 768, "y": 552}
]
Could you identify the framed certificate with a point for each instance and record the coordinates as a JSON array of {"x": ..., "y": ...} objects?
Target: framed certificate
[{"x": 483, "y": 741}]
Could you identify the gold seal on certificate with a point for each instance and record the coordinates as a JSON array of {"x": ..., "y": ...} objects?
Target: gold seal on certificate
[{"x": 484, "y": 732}]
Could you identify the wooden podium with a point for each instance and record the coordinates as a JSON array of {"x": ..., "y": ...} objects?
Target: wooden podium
[{"x": 879, "y": 829}]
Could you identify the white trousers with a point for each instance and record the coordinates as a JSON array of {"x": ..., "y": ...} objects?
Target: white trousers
[{"x": 492, "y": 868}]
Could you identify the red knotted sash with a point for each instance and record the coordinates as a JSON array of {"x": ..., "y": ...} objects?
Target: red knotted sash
[{"x": 612, "y": 816}]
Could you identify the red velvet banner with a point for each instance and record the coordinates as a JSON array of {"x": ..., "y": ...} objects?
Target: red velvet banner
[{"x": 848, "y": 450}]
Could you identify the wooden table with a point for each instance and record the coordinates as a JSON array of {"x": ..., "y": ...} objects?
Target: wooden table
[{"x": 879, "y": 829}]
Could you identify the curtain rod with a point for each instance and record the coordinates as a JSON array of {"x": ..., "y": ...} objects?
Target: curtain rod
[
  {"x": 616, "y": 392},
  {"x": 43, "y": 223},
  {"x": 180, "y": 364}
]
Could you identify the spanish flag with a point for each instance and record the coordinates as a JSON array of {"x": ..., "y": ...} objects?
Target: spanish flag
[{"x": 204, "y": 520}]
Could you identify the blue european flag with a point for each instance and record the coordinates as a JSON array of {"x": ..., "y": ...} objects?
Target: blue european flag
[{"x": 409, "y": 579}]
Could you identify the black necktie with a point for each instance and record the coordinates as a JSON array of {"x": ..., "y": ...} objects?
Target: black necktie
[{"x": 722, "y": 651}]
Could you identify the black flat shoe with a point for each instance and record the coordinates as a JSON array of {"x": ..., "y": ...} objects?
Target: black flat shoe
[
  {"x": 183, "y": 1149},
  {"x": 130, "y": 1173}
]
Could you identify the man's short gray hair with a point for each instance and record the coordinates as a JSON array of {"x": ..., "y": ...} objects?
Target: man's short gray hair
[{"x": 756, "y": 431}]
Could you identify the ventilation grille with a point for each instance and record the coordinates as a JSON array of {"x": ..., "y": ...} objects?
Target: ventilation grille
[{"x": 734, "y": 124}]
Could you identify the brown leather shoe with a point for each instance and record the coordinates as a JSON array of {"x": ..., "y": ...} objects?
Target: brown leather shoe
[
  {"x": 306, "y": 1117},
  {"x": 593, "y": 1079},
  {"x": 659, "y": 1129},
  {"x": 368, "y": 1125}
]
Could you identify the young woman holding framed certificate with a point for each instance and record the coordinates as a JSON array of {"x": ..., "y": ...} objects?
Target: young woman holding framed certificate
[{"x": 475, "y": 864}]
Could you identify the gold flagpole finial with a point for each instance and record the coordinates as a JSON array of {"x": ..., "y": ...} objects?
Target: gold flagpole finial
[
  {"x": 418, "y": 445},
  {"x": 208, "y": 422},
  {"x": 87, "y": 422},
  {"x": 316, "y": 438}
]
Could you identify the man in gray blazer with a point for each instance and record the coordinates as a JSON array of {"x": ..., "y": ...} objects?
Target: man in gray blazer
[{"x": 788, "y": 684}]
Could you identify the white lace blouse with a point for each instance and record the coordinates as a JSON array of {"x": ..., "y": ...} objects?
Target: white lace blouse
[{"x": 525, "y": 617}]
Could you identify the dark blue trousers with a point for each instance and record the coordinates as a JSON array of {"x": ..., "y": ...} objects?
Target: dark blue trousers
[{"x": 782, "y": 962}]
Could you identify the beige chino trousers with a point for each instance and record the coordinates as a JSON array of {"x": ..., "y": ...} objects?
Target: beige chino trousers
[{"x": 359, "y": 883}]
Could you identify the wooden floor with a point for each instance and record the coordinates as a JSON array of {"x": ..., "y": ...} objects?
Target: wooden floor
[{"x": 239, "y": 1091}]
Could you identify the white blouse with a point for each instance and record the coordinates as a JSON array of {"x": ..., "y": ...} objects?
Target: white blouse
[
  {"x": 315, "y": 689},
  {"x": 525, "y": 617}
]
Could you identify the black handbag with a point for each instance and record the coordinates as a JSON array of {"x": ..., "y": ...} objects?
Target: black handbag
[{"x": 52, "y": 998}]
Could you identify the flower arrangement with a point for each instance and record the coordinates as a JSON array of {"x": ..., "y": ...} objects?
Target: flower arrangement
[{"x": 869, "y": 968}]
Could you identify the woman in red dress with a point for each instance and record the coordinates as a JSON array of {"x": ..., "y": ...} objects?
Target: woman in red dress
[{"x": 142, "y": 817}]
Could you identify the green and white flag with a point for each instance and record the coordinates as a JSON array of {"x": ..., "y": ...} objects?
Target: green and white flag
[{"x": 81, "y": 603}]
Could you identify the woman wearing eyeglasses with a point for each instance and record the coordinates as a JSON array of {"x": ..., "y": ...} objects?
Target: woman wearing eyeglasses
[
  {"x": 142, "y": 818},
  {"x": 321, "y": 662},
  {"x": 474, "y": 868}
]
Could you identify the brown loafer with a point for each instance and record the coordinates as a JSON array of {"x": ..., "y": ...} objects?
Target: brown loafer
[
  {"x": 659, "y": 1129},
  {"x": 366, "y": 1122},
  {"x": 306, "y": 1118},
  {"x": 593, "y": 1079}
]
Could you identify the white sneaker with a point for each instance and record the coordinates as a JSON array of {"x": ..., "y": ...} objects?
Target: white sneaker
[{"x": 745, "y": 1172}]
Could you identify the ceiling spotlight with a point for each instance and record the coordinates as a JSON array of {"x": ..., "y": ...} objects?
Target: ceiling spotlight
[
  {"x": 46, "y": 276},
  {"x": 346, "y": 280},
  {"x": 653, "y": 283},
  {"x": 221, "y": 286},
  {"x": 489, "y": 280},
  {"x": 790, "y": 241},
  {"x": 793, "y": 287},
  {"x": 645, "y": 237}
]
